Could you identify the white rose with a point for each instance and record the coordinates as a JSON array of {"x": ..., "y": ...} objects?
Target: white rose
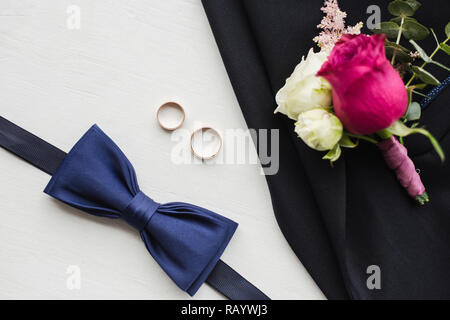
[
  {"x": 303, "y": 90},
  {"x": 319, "y": 129}
]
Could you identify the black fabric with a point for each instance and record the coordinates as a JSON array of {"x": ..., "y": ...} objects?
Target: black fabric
[
  {"x": 29, "y": 147},
  {"x": 341, "y": 220},
  {"x": 232, "y": 285},
  {"x": 47, "y": 158}
]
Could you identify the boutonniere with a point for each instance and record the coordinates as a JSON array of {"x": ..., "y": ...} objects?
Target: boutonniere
[{"x": 362, "y": 87}]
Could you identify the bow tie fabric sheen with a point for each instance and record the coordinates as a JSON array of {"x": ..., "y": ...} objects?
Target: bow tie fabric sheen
[
  {"x": 185, "y": 240},
  {"x": 96, "y": 177}
]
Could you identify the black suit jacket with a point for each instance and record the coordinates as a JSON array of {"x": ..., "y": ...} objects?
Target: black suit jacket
[{"x": 341, "y": 220}]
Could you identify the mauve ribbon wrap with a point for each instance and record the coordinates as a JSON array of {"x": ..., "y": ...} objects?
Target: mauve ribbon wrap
[{"x": 396, "y": 157}]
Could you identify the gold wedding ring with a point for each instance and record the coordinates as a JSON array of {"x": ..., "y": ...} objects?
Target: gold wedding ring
[
  {"x": 201, "y": 155},
  {"x": 164, "y": 124}
]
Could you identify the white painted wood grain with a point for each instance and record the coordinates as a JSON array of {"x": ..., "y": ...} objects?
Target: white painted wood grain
[{"x": 127, "y": 58}]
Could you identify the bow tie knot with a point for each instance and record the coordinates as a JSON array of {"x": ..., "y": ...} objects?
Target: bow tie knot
[{"x": 139, "y": 211}]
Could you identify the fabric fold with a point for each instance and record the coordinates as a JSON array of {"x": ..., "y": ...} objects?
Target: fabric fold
[
  {"x": 294, "y": 204},
  {"x": 341, "y": 220}
]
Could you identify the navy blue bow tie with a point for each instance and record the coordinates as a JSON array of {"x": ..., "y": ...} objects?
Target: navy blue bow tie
[
  {"x": 186, "y": 240},
  {"x": 97, "y": 178}
]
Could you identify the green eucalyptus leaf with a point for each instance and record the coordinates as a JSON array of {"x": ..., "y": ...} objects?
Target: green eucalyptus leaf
[
  {"x": 414, "y": 111},
  {"x": 421, "y": 52},
  {"x": 415, "y": 31},
  {"x": 445, "y": 47},
  {"x": 425, "y": 76},
  {"x": 440, "y": 65},
  {"x": 399, "y": 55},
  {"x": 414, "y": 4},
  {"x": 347, "y": 142},
  {"x": 434, "y": 36},
  {"x": 420, "y": 94},
  {"x": 389, "y": 28},
  {"x": 400, "y": 8},
  {"x": 398, "y": 46},
  {"x": 334, "y": 154},
  {"x": 420, "y": 86},
  {"x": 402, "y": 54},
  {"x": 447, "y": 30},
  {"x": 398, "y": 20},
  {"x": 398, "y": 128}
]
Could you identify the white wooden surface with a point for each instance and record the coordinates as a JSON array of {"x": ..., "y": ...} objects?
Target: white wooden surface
[{"x": 126, "y": 59}]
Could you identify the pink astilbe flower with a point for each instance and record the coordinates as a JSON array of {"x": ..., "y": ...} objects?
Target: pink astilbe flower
[
  {"x": 356, "y": 29},
  {"x": 333, "y": 26}
]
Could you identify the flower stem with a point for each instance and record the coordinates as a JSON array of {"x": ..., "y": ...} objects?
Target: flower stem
[
  {"x": 366, "y": 138},
  {"x": 425, "y": 63},
  {"x": 399, "y": 36},
  {"x": 384, "y": 134},
  {"x": 422, "y": 199}
]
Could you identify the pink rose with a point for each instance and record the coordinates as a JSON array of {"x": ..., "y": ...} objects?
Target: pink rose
[{"x": 368, "y": 93}]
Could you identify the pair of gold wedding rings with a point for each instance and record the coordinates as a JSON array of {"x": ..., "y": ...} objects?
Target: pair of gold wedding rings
[{"x": 196, "y": 134}]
